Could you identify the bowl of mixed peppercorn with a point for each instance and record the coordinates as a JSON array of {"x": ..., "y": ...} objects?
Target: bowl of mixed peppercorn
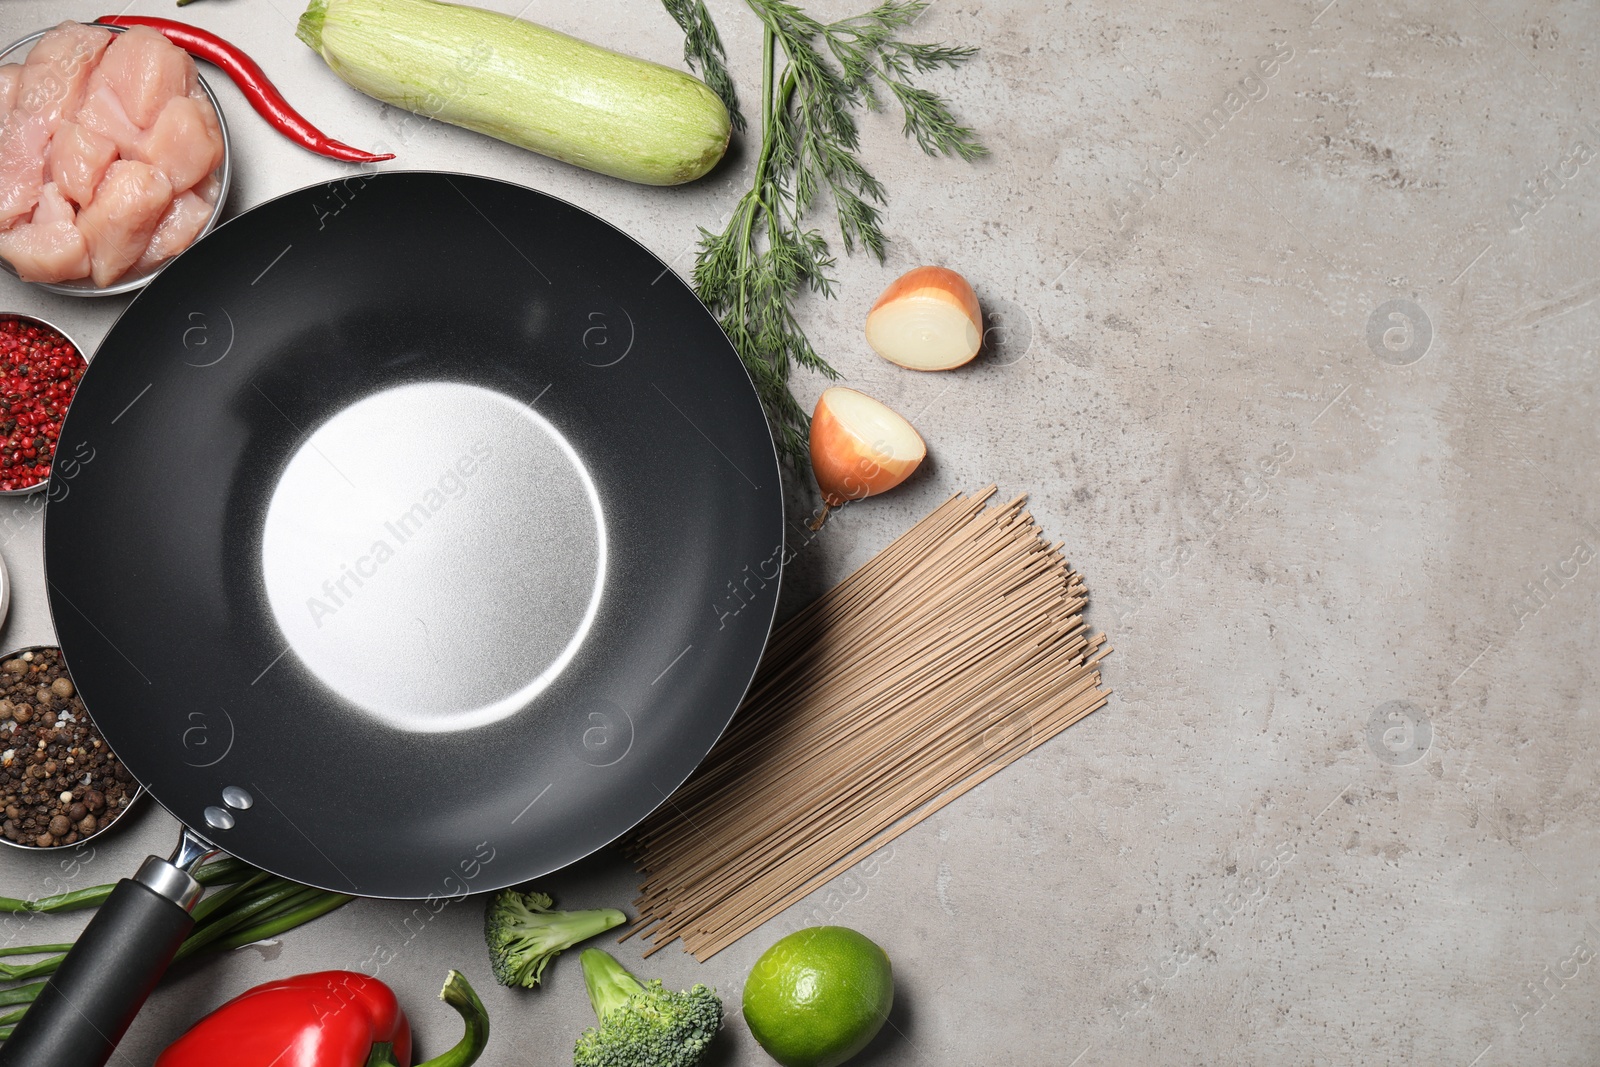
[
  {"x": 40, "y": 369},
  {"x": 59, "y": 781}
]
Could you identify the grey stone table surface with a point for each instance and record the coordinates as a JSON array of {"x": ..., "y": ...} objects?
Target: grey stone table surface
[{"x": 1297, "y": 349}]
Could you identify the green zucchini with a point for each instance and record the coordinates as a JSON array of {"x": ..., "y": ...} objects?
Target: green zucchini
[{"x": 524, "y": 84}]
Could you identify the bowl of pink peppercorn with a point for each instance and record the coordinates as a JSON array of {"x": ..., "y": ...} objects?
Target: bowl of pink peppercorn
[{"x": 40, "y": 368}]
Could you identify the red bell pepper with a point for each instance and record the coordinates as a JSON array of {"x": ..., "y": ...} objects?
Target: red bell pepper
[{"x": 326, "y": 1019}]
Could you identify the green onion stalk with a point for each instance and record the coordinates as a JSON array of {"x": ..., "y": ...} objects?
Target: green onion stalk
[
  {"x": 245, "y": 905},
  {"x": 218, "y": 872}
]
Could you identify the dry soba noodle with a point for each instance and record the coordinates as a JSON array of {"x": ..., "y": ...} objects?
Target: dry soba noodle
[{"x": 946, "y": 657}]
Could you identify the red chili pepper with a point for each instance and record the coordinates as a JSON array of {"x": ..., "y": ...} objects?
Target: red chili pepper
[
  {"x": 326, "y": 1019},
  {"x": 252, "y": 81}
]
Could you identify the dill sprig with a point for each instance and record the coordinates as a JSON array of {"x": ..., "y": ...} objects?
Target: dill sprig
[{"x": 750, "y": 273}]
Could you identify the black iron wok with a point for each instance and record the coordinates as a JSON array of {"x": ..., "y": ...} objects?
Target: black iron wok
[{"x": 423, "y": 537}]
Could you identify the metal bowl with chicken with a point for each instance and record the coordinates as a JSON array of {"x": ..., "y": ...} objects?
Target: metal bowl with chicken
[{"x": 114, "y": 157}]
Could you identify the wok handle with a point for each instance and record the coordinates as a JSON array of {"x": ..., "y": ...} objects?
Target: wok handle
[{"x": 89, "y": 1002}]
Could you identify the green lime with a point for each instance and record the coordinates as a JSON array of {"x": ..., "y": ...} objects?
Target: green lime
[{"x": 818, "y": 996}]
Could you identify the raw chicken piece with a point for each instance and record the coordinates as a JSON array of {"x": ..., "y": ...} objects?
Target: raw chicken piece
[
  {"x": 146, "y": 70},
  {"x": 57, "y": 68},
  {"x": 50, "y": 87},
  {"x": 77, "y": 159},
  {"x": 208, "y": 188},
  {"x": 122, "y": 217},
  {"x": 209, "y": 109},
  {"x": 181, "y": 144},
  {"x": 49, "y": 248},
  {"x": 22, "y": 145},
  {"x": 53, "y": 207},
  {"x": 73, "y": 48},
  {"x": 10, "y": 81},
  {"x": 103, "y": 113},
  {"x": 179, "y": 227},
  {"x": 46, "y": 251}
]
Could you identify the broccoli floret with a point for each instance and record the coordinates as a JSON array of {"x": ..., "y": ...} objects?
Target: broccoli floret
[
  {"x": 643, "y": 1025},
  {"x": 524, "y": 934}
]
